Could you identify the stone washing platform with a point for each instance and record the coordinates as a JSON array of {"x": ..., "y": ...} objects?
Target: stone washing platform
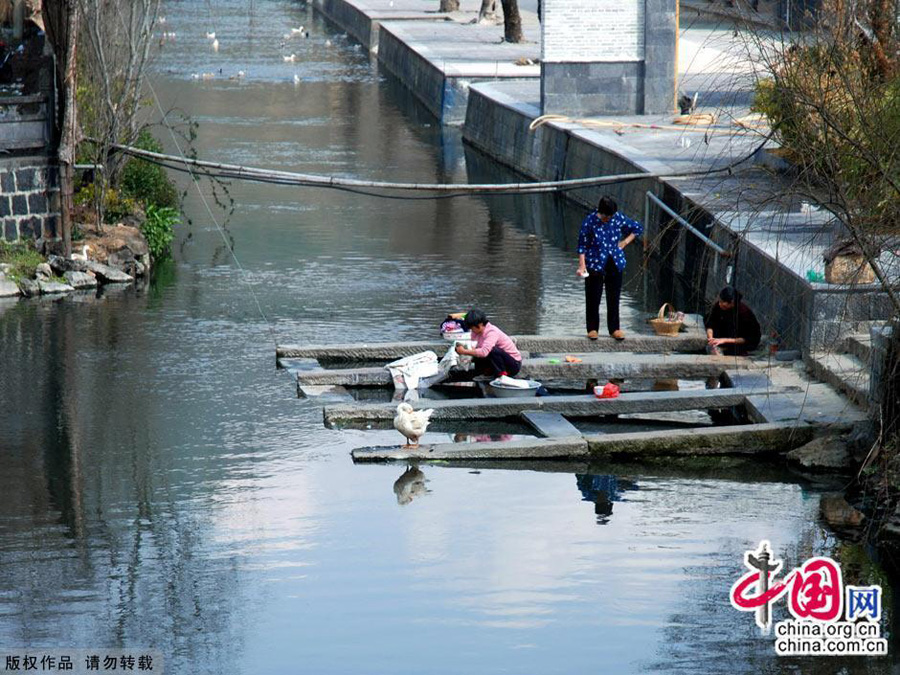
[
  {"x": 784, "y": 406},
  {"x": 786, "y": 410}
]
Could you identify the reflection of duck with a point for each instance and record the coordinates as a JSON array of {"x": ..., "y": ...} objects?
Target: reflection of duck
[
  {"x": 410, "y": 485},
  {"x": 411, "y": 423}
]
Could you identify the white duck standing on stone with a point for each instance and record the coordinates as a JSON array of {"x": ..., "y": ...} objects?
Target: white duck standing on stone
[
  {"x": 411, "y": 423},
  {"x": 81, "y": 256}
]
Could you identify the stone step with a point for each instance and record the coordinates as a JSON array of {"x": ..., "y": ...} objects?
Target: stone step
[
  {"x": 573, "y": 344},
  {"x": 553, "y": 367},
  {"x": 749, "y": 439},
  {"x": 859, "y": 345},
  {"x": 358, "y": 412},
  {"x": 844, "y": 372},
  {"x": 550, "y": 424}
]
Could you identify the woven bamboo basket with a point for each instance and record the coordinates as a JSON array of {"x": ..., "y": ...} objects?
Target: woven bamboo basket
[{"x": 662, "y": 325}]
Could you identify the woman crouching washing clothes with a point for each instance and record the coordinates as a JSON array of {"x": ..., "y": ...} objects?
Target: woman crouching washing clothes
[
  {"x": 495, "y": 353},
  {"x": 731, "y": 326}
]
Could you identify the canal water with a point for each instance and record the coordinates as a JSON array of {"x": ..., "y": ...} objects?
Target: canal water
[{"x": 161, "y": 486}]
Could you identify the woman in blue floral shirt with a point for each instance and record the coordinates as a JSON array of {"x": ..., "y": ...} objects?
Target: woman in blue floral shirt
[{"x": 601, "y": 260}]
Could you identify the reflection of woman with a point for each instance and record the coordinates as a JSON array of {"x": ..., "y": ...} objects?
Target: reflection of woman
[
  {"x": 731, "y": 326},
  {"x": 410, "y": 485}
]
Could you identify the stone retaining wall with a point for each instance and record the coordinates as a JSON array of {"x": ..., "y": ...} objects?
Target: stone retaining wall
[
  {"x": 29, "y": 199},
  {"x": 351, "y": 20},
  {"x": 423, "y": 79}
]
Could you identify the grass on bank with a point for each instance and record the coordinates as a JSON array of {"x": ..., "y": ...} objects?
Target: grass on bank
[{"x": 21, "y": 258}]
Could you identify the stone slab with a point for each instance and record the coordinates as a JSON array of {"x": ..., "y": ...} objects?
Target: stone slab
[
  {"x": 570, "y": 406},
  {"x": 626, "y": 365},
  {"x": 845, "y": 372},
  {"x": 80, "y": 280},
  {"x": 107, "y": 274},
  {"x": 549, "y": 424},
  {"x": 53, "y": 287},
  {"x": 555, "y": 448},
  {"x": 332, "y": 392},
  {"x": 592, "y": 367},
  {"x": 298, "y": 364},
  {"x": 818, "y": 404},
  {"x": 348, "y": 377},
  {"x": 573, "y": 344},
  {"x": 8, "y": 289},
  {"x": 730, "y": 440},
  {"x": 752, "y": 439}
]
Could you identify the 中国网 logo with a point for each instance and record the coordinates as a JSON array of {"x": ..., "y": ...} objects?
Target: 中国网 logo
[{"x": 829, "y": 618}]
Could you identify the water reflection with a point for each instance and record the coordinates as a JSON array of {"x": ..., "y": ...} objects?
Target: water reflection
[
  {"x": 602, "y": 490},
  {"x": 410, "y": 485}
]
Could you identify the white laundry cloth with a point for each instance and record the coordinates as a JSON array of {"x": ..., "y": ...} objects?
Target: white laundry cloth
[
  {"x": 407, "y": 372},
  {"x": 506, "y": 381}
]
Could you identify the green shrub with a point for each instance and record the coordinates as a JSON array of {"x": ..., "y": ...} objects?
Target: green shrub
[
  {"x": 22, "y": 258},
  {"x": 116, "y": 205},
  {"x": 159, "y": 230},
  {"x": 148, "y": 182}
]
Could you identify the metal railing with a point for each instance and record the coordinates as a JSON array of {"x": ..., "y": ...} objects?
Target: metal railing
[{"x": 677, "y": 218}]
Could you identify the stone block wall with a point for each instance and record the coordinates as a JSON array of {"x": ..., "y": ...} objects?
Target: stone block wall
[
  {"x": 350, "y": 19},
  {"x": 415, "y": 71},
  {"x": 585, "y": 89},
  {"x": 608, "y": 58},
  {"x": 29, "y": 199}
]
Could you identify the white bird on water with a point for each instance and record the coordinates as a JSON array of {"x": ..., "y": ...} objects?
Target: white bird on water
[
  {"x": 211, "y": 35},
  {"x": 296, "y": 78},
  {"x": 296, "y": 31},
  {"x": 290, "y": 59},
  {"x": 412, "y": 423}
]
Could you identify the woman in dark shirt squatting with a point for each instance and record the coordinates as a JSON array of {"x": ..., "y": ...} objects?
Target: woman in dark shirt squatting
[{"x": 731, "y": 326}]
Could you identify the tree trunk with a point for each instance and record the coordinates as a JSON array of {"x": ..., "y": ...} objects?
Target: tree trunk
[
  {"x": 68, "y": 138},
  {"x": 512, "y": 21},
  {"x": 61, "y": 18},
  {"x": 449, "y": 6},
  {"x": 488, "y": 11}
]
